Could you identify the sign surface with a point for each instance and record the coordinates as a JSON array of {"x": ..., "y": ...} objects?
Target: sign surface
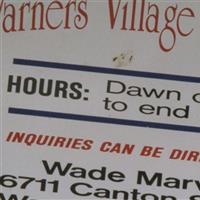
[{"x": 100, "y": 100}]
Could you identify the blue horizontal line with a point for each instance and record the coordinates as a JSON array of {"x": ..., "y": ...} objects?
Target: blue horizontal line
[
  {"x": 105, "y": 120},
  {"x": 84, "y": 68}
]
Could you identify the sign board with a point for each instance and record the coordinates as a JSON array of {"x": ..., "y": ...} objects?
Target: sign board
[{"x": 100, "y": 99}]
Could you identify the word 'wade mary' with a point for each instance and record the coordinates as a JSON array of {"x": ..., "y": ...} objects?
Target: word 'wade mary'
[{"x": 168, "y": 20}]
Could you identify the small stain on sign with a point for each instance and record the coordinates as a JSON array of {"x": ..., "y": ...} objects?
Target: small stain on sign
[{"x": 123, "y": 59}]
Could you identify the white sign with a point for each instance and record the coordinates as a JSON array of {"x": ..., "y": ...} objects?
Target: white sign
[{"x": 100, "y": 100}]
